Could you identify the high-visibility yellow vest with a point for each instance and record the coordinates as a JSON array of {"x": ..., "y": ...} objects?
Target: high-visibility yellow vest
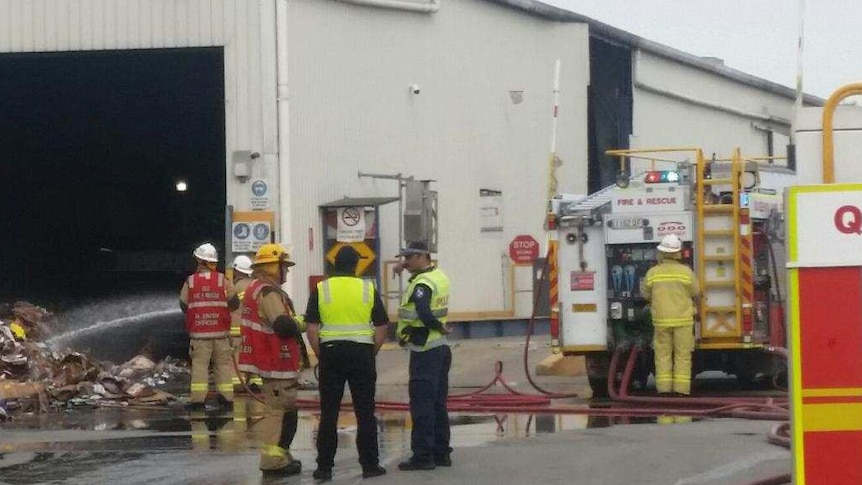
[
  {"x": 670, "y": 287},
  {"x": 407, "y": 316},
  {"x": 345, "y": 304}
]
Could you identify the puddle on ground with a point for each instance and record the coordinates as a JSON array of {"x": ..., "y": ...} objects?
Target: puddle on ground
[
  {"x": 118, "y": 429},
  {"x": 144, "y": 446}
]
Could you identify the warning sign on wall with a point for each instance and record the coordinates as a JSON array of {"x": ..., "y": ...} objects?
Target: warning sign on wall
[{"x": 351, "y": 224}]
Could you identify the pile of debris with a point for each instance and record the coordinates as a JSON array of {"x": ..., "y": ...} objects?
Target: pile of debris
[{"x": 33, "y": 377}]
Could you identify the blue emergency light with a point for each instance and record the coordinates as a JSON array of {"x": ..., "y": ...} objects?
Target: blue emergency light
[{"x": 661, "y": 177}]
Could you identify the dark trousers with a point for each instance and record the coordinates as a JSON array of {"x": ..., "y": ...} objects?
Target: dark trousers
[
  {"x": 429, "y": 388},
  {"x": 353, "y": 363}
]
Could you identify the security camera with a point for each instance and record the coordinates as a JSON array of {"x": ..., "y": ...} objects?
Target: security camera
[{"x": 414, "y": 88}]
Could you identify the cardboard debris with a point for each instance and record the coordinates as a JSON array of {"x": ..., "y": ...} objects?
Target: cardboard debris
[{"x": 33, "y": 377}]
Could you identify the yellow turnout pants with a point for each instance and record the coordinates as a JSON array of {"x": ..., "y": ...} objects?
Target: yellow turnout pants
[
  {"x": 280, "y": 397},
  {"x": 202, "y": 351},
  {"x": 673, "y": 347}
]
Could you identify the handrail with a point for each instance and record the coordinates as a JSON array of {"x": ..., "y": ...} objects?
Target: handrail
[{"x": 828, "y": 115}]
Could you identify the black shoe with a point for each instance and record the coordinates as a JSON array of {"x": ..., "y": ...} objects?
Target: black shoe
[
  {"x": 322, "y": 475},
  {"x": 373, "y": 472},
  {"x": 445, "y": 460},
  {"x": 292, "y": 468},
  {"x": 412, "y": 464},
  {"x": 224, "y": 404}
]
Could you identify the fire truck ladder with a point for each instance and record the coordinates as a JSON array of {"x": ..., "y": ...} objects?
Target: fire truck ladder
[
  {"x": 594, "y": 205},
  {"x": 723, "y": 245}
]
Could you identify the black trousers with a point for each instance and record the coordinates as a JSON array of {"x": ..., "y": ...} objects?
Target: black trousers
[
  {"x": 429, "y": 389},
  {"x": 353, "y": 363}
]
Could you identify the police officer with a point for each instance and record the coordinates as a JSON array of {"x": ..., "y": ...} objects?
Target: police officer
[
  {"x": 207, "y": 298},
  {"x": 339, "y": 316},
  {"x": 671, "y": 287},
  {"x": 422, "y": 330},
  {"x": 271, "y": 348}
]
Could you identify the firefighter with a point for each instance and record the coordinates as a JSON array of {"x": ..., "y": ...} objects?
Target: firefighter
[
  {"x": 271, "y": 348},
  {"x": 672, "y": 290},
  {"x": 347, "y": 325},
  {"x": 241, "y": 279},
  {"x": 422, "y": 330},
  {"x": 207, "y": 298}
]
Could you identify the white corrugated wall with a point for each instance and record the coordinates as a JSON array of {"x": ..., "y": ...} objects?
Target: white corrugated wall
[
  {"x": 351, "y": 111},
  {"x": 679, "y": 105}
]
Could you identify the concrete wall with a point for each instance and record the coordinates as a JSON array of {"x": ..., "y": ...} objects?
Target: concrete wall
[
  {"x": 351, "y": 111},
  {"x": 679, "y": 105}
]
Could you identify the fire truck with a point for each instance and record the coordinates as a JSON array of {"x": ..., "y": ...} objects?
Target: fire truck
[{"x": 728, "y": 215}]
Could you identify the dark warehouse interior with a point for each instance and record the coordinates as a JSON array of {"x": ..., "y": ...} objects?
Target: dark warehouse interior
[{"x": 93, "y": 145}]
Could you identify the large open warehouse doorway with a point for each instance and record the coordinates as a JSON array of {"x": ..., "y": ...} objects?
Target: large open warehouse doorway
[{"x": 92, "y": 148}]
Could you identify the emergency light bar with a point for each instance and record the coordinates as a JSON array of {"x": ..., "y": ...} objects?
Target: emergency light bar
[{"x": 661, "y": 177}]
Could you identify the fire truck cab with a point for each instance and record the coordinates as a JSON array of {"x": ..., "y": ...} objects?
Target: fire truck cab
[{"x": 727, "y": 220}]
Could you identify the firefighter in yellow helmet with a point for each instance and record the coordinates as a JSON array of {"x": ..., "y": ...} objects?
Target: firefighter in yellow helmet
[
  {"x": 207, "y": 298},
  {"x": 672, "y": 290},
  {"x": 272, "y": 348}
]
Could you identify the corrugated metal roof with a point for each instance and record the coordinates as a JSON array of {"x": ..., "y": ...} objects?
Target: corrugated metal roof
[{"x": 617, "y": 36}]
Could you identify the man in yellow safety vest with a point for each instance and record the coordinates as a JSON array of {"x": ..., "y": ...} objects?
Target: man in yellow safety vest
[{"x": 346, "y": 326}]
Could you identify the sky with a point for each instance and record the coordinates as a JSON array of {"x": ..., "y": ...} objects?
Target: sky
[{"x": 758, "y": 37}]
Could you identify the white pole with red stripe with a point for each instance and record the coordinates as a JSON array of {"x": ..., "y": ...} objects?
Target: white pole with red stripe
[{"x": 553, "y": 283}]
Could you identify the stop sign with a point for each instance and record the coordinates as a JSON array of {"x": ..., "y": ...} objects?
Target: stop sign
[{"x": 523, "y": 249}]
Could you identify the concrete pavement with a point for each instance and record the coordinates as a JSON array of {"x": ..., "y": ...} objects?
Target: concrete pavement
[{"x": 168, "y": 446}]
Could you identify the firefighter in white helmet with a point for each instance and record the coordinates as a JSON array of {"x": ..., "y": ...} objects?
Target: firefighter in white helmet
[
  {"x": 672, "y": 289},
  {"x": 241, "y": 279},
  {"x": 207, "y": 298}
]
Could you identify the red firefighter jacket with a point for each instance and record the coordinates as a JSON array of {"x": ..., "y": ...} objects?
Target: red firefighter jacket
[
  {"x": 207, "y": 316},
  {"x": 263, "y": 352}
]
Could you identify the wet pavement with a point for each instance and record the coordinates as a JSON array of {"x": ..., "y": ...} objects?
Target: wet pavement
[{"x": 171, "y": 446}]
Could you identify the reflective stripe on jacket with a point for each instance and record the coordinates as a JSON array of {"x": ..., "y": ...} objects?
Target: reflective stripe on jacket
[
  {"x": 236, "y": 315},
  {"x": 438, "y": 282},
  {"x": 670, "y": 287},
  {"x": 262, "y": 351},
  {"x": 345, "y": 305},
  {"x": 207, "y": 316}
]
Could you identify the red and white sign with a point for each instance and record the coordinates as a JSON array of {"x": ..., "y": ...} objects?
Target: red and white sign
[
  {"x": 652, "y": 201},
  {"x": 524, "y": 249},
  {"x": 583, "y": 281},
  {"x": 824, "y": 239},
  {"x": 830, "y": 227},
  {"x": 672, "y": 227}
]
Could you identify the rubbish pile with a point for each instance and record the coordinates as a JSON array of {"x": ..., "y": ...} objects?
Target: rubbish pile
[{"x": 33, "y": 377}]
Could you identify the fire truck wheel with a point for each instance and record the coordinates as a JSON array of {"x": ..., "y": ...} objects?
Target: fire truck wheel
[{"x": 598, "y": 364}]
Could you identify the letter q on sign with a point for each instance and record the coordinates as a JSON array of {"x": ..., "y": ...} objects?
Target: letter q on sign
[{"x": 848, "y": 219}]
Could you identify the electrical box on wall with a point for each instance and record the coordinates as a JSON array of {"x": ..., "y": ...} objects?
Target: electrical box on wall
[{"x": 420, "y": 213}]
